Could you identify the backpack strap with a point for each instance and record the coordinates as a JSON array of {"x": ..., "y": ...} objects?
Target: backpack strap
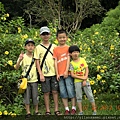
[
  {"x": 48, "y": 50},
  {"x": 33, "y": 60}
]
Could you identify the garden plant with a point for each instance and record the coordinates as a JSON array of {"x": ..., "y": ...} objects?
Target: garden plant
[{"x": 99, "y": 45}]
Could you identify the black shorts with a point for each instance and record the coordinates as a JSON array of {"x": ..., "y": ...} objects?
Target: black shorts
[{"x": 50, "y": 84}]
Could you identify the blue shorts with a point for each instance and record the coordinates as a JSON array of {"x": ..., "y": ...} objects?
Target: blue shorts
[{"x": 67, "y": 89}]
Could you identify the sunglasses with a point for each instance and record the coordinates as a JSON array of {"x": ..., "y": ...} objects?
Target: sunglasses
[{"x": 45, "y": 33}]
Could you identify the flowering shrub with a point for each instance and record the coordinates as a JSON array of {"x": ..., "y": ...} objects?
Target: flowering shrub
[{"x": 99, "y": 45}]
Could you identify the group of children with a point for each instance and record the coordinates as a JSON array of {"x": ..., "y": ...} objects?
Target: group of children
[{"x": 60, "y": 69}]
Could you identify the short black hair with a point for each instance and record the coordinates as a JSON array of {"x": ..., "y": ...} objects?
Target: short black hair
[
  {"x": 61, "y": 31},
  {"x": 73, "y": 48}
]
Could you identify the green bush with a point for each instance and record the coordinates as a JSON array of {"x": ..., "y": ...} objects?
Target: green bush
[{"x": 99, "y": 45}]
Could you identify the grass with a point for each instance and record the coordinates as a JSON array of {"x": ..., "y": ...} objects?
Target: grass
[{"x": 107, "y": 104}]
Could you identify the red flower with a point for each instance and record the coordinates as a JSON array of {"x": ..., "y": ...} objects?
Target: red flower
[{"x": 82, "y": 65}]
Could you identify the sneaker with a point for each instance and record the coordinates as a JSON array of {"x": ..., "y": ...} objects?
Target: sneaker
[
  {"x": 67, "y": 112},
  {"x": 73, "y": 112},
  {"x": 94, "y": 113},
  {"x": 81, "y": 113}
]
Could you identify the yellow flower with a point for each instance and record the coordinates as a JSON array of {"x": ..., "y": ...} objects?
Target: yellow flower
[
  {"x": 112, "y": 47},
  {"x": 5, "y": 112},
  {"x": 6, "y": 31},
  {"x": 19, "y": 30},
  {"x": 0, "y": 113},
  {"x": 24, "y": 36},
  {"x": 117, "y": 33},
  {"x": 92, "y": 82},
  {"x": 15, "y": 66},
  {"x": 93, "y": 42},
  {"x": 1, "y": 87},
  {"x": 55, "y": 30},
  {"x": 6, "y": 52},
  {"x": 98, "y": 77},
  {"x": 103, "y": 81},
  {"x": 80, "y": 47},
  {"x": 88, "y": 49},
  {"x": 112, "y": 55},
  {"x": 85, "y": 44},
  {"x": 94, "y": 91},
  {"x": 102, "y": 71},
  {"x": 69, "y": 39},
  {"x": 9, "y": 113},
  {"x": 13, "y": 114},
  {"x": 36, "y": 33},
  {"x": 104, "y": 67},
  {"x": 98, "y": 68},
  {"x": 10, "y": 62},
  {"x": 7, "y": 15},
  {"x": 96, "y": 33},
  {"x": 56, "y": 42}
]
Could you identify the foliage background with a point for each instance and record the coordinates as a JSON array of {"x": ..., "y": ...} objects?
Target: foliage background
[{"x": 99, "y": 45}]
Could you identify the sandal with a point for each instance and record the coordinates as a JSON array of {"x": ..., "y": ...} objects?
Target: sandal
[
  {"x": 57, "y": 113},
  {"x": 48, "y": 113},
  {"x": 37, "y": 113},
  {"x": 27, "y": 116}
]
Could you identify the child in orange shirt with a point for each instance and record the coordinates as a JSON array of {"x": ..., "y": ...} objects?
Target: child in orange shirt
[{"x": 62, "y": 61}]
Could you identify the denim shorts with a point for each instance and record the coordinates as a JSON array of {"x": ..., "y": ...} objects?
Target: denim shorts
[
  {"x": 66, "y": 86},
  {"x": 31, "y": 92},
  {"x": 50, "y": 84}
]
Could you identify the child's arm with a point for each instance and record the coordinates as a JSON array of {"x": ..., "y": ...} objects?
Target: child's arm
[
  {"x": 67, "y": 67},
  {"x": 42, "y": 79},
  {"x": 56, "y": 69},
  {"x": 19, "y": 60}
]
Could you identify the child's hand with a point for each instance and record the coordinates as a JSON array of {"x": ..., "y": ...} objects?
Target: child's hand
[
  {"x": 84, "y": 83},
  {"x": 42, "y": 78},
  {"x": 21, "y": 56},
  {"x": 58, "y": 78},
  {"x": 65, "y": 74}
]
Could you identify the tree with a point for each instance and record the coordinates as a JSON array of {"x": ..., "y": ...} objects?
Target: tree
[{"x": 68, "y": 17}]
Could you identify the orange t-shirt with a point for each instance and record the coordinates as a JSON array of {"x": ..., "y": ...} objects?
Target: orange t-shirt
[{"x": 61, "y": 55}]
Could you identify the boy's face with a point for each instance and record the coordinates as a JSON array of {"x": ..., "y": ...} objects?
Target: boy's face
[
  {"x": 45, "y": 36},
  {"x": 30, "y": 47},
  {"x": 75, "y": 55},
  {"x": 62, "y": 38}
]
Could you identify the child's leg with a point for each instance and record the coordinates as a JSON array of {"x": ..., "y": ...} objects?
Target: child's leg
[
  {"x": 88, "y": 92},
  {"x": 27, "y": 96},
  {"x": 69, "y": 81},
  {"x": 64, "y": 94},
  {"x": 80, "y": 106},
  {"x": 93, "y": 106},
  {"x": 46, "y": 100},
  {"x": 55, "y": 98},
  {"x": 54, "y": 88},
  {"x": 78, "y": 89},
  {"x": 46, "y": 90},
  {"x": 27, "y": 106},
  {"x": 34, "y": 88}
]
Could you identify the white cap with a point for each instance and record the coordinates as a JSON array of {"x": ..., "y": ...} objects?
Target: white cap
[{"x": 44, "y": 29}]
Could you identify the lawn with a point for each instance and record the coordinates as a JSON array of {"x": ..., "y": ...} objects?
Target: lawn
[{"x": 107, "y": 104}]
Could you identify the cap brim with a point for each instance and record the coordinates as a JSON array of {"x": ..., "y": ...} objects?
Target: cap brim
[{"x": 45, "y": 31}]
